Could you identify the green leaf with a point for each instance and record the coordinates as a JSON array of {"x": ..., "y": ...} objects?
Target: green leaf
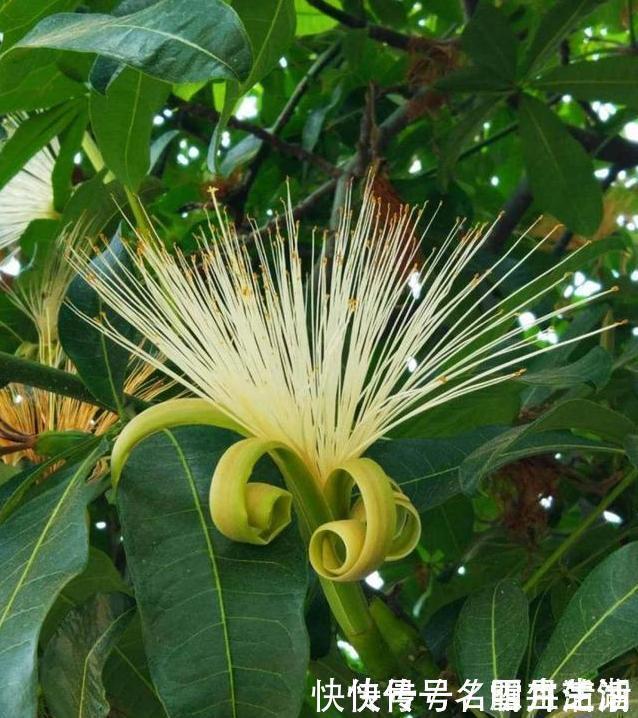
[
  {"x": 32, "y": 135},
  {"x": 610, "y": 79},
  {"x": 427, "y": 469},
  {"x": 593, "y": 368},
  {"x": 559, "y": 20},
  {"x": 122, "y": 121},
  {"x": 489, "y": 40},
  {"x": 174, "y": 40},
  {"x": 18, "y": 17},
  {"x": 547, "y": 435},
  {"x": 560, "y": 172},
  {"x": 128, "y": 684},
  {"x": 491, "y": 635},
  {"x": 311, "y": 21},
  {"x": 599, "y": 623},
  {"x": 473, "y": 79},
  {"x": 70, "y": 143},
  {"x": 223, "y": 621},
  {"x": 31, "y": 81},
  {"x": 74, "y": 658},
  {"x": 464, "y": 129},
  {"x": 448, "y": 528},
  {"x": 270, "y": 25},
  {"x": 42, "y": 546},
  {"x": 99, "y": 576},
  {"x": 102, "y": 364}
]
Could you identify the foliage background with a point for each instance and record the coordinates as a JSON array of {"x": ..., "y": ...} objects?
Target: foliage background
[{"x": 497, "y": 110}]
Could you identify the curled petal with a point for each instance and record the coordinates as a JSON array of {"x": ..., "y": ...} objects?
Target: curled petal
[
  {"x": 408, "y": 527},
  {"x": 176, "y": 412},
  {"x": 248, "y": 512},
  {"x": 349, "y": 549}
]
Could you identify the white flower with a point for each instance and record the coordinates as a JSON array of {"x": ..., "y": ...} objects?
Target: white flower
[
  {"x": 28, "y": 195},
  {"x": 321, "y": 365}
]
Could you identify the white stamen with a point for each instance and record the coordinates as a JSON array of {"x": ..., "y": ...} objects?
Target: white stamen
[{"x": 320, "y": 365}]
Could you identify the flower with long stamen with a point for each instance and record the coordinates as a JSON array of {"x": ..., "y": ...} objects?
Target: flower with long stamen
[
  {"x": 26, "y": 412},
  {"x": 28, "y": 195},
  {"x": 312, "y": 368}
]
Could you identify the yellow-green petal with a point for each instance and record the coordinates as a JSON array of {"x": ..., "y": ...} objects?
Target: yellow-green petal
[
  {"x": 350, "y": 548},
  {"x": 176, "y": 412},
  {"x": 248, "y": 512}
]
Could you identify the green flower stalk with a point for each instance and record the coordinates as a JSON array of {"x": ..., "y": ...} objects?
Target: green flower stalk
[{"x": 313, "y": 369}]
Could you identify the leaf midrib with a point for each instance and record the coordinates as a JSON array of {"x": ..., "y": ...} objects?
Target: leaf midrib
[
  {"x": 42, "y": 537},
  {"x": 214, "y": 568}
]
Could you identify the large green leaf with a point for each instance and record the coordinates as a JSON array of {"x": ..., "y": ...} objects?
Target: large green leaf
[
  {"x": 43, "y": 545},
  {"x": 270, "y": 25},
  {"x": 599, "y": 623},
  {"x": 31, "y": 136},
  {"x": 102, "y": 364},
  {"x": 74, "y": 658},
  {"x": 610, "y": 79},
  {"x": 174, "y": 40},
  {"x": 122, "y": 120},
  {"x": 223, "y": 622},
  {"x": 548, "y": 434},
  {"x": 491, "y": 635},
  {"x": 448, "y": 528},
  {"x": 129, "y": 688},
  {"x": 490, "y": 41},
  {"x": 18, "y": 17},
  {"x": 560, "y": 172},
  {"x": 559, "y": 20}
]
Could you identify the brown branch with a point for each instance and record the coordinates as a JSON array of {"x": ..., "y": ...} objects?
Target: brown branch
[
  {"x": 286, "y": 148},
  {"x": 393, "y": 38}
]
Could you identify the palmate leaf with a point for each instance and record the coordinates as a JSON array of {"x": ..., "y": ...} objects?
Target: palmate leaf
[
  {"x": 174, "y": 40},
  {"x": 43, "y": 545},
  {"x": 223, "y": 622}
]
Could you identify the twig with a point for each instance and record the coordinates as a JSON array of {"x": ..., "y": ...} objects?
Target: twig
[
  {"x": 298, "y": 211},
  {"x": 396, "y": 39},
  {"x": 512, "y": 214},
  {"x": 574, "y": 537},
  {"x": 286, "y": 148}
]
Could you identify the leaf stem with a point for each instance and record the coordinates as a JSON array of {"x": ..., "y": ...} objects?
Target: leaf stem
[{"x": 575, "y": 536}]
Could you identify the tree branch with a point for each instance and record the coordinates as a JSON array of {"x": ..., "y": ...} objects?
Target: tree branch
[
  {"x": 390, "y": 37},
  {"x": 286, "y": 148}
]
